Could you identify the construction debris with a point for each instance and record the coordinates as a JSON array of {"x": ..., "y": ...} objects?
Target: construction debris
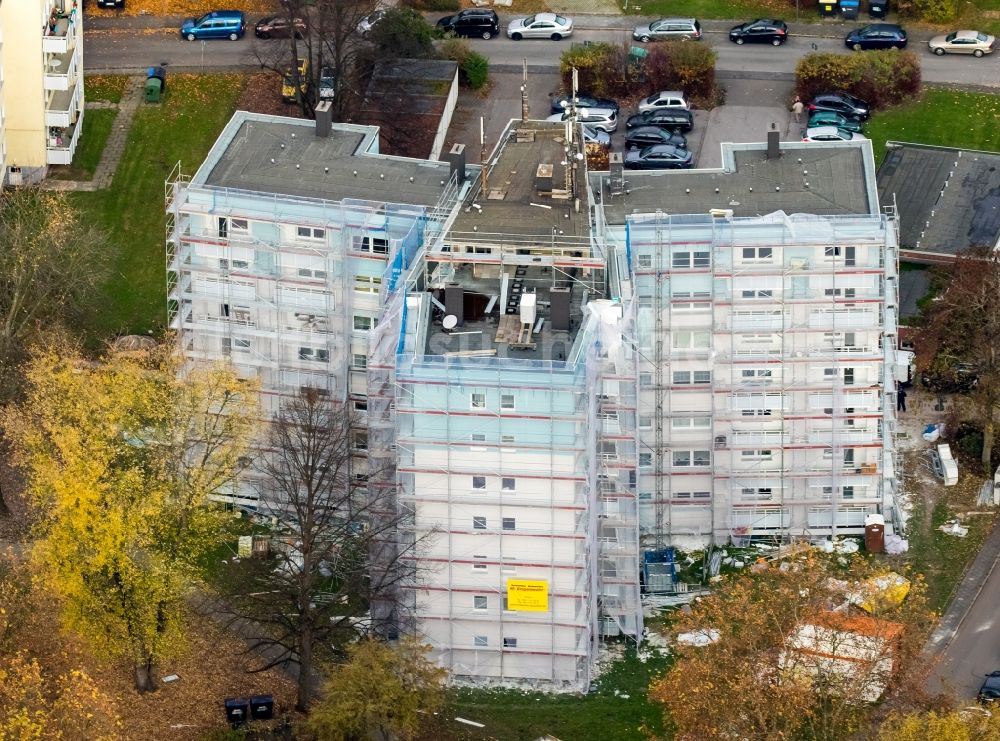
[{"x": 954, "y": 527}]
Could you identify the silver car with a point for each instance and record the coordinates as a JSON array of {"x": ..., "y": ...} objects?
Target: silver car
[
  {"x": 605, "y": 119},
  {"x": 962, "y": 42},
  {"x": 540, "y": 26},
  {"x": 667, "y": 29}
]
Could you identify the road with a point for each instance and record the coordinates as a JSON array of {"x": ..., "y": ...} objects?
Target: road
[{"x": 124, "y": 50}]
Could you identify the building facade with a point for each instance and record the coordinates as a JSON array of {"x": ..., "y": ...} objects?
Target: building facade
[
  {"x": 41, "y": 67},
  {"x": 564, "y": 374}
]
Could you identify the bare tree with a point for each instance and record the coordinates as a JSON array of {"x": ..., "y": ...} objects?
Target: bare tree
[
  {"x": 961, "y": 337},
  {"x": 314, "y": 596}
]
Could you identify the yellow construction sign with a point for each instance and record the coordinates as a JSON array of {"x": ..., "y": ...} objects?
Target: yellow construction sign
[{"x": 527, "y": 596}]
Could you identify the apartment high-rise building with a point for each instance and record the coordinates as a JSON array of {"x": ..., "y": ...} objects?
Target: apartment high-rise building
[
  {"x": 41, "y": 68},
  {"x": 564, "y": 373}
]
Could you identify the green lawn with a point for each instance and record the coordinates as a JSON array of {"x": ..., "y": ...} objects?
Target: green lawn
[
  {"x": 523, "y": 716},
  {"x": 97, "y": 123},
  {"x": 109, "y": 88},
  {"x": 183, "y": 128},
  {"x": 950, "y": 118},
  {"x": 736, "y": 10}
]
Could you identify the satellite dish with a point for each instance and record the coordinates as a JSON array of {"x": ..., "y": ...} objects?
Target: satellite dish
[
  {"x": 450, "y": 321},
  {"x": 584, "y": 112}
]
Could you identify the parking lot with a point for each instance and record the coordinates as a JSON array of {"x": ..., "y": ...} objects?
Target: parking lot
[{"x": 751, "y": 108}]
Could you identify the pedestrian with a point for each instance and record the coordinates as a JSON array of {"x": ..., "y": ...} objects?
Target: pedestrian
[
  {"x": 901, "y": 400},
  {"x": 797, "y": 108}
]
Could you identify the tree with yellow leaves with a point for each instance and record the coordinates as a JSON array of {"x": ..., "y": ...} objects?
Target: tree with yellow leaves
[
  {"x": 122, "y": 458},
  {"x": 968, "y": 724}
]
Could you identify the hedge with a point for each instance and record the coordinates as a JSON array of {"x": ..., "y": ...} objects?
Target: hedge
[{"x": 882, "y": 78}]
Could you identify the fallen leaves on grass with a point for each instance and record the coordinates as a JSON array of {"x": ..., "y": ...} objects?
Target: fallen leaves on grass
[
  {"x": 184, "y": 7},
  {"x": 262, "y": 94},
  {"x": 104, "y": 87}
]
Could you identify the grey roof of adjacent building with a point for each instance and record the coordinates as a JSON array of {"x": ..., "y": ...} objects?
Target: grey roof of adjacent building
[
  {"x": 284, "y": 156},
  {"x": 826, "y": 179},
  {"x": 948, "y": 199}
]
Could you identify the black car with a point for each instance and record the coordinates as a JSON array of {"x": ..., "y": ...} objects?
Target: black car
[
  {"x": 561, "y": 103},
  {"x": 957, "y": 378},
  {"x": 477, "y": 23},
  {"x": 990, "y": 691},
  {"x": 842, "y": 103},
  {"x": 658, "y": 157},
  {"x": 876, "y": 36},
  {"x": 675, "y": 119},
  {"x": 760, "y": 31},
  {"x": 644, "y": 136},
  {"x": 279, "y": 27}
]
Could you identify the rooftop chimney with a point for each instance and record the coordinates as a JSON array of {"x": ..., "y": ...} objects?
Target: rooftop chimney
[
  {"x": 456, "y": 156},
  {"x": 323, "y": 119},
  {"x": 773, "y": 144}
]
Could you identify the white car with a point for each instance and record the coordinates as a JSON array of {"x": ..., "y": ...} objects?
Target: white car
[
  {"x": 605, "y": 119},
  {"x": 366, "y": 24},
  {"x": 540, "y": 26},
  {"x": 831, "y": 134},
  {"x": 664, "y": 99},
  {"x": 600, "y": 137}
]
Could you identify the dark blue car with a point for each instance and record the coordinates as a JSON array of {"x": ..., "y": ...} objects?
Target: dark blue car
[{"x": 876, "y": 36}]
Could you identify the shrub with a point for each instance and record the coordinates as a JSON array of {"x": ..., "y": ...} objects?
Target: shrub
[
  {"x": 475, "y": 70},
  {"x": 882, "y": 78},
  {"x": 433, "y": 5},
  {"x": 602, "y": 69},
  {"x": 932, "y": 11},
  {"x": 455, "y": 49},
  {"x": 683, "y": 66}
]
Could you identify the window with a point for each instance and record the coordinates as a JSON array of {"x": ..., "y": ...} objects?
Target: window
[
  {"x": 478, "y": 437},
  {"x": 756, "y": 455},
  {"x": 375, "y": 245},
  {"x": 507, "y": 484},
  {"x": 479, "y": 482},
  {"x": 645, "y": 261},
  {"x": 363, "y": 323},
  {"x": 756, "y": 412},
  {"x": 758, "y": 294},
  {"x": 847, "y": 492},
  {"x": 361, "y": 406},
  {"x": 360, "y": 440},
  {"x": 360, "y": 360},
  {"x": 645, "y": 460},
  {"x": 507, "y": 569},
  {"x": 241, "y": 344},
  {"x": 506, "y": 401},
  {"x": 478, "y": 523},
  {"x": 691, "y": 260},
  {"x": 507, "y": 439},
  {"x": 480, "y": 641},
  {"x": 478, "y": 401},
  {"x": 689, "y": 423},
  {"x": 480, "y": 566},
  {"x": 685, "y": 378},
  {"x": 225, "y": 264},
  {"x": 315, "y": 354},
  {"x": 752, "y": 375},
  {"x": 690, "y": 340},
  {"x": 692, "y": 495},
  {"x": 311, "y": 273},
  {"x": 239, "y": 226},
  {"x": 691, "y": 458},
  {"x": 645, "y": 301},
  {"x": 645, "y": 422},
  {"x": 509, "y": 523},
  {"x": 310, "y": 233},
  {"x": 832, "y": 252},
  {"x": 848, "y": 376},
  {"x": 645, "y": 379},
  {"x": 509, "y": 642},
  {"x": 758, "y": 253},
  {"x": 480, "y": 602},
  {"x": 758, "y": 493},
  {"x": 367, "y": 283}
]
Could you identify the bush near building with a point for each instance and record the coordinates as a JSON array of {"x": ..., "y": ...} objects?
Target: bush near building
[
  {"x": 932, "y": 11},
  {"x": 609, "y": 70},
  {"x": 882, "y": 78}
]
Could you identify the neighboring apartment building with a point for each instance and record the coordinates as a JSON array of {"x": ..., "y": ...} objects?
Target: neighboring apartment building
[
  {"x": 565, "y": 372},
  {"x": 41, "y": 67}
]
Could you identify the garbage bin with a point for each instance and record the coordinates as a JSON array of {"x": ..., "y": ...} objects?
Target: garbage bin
[
  {"x": 154, "y": 87},
  {"x": 878, "y": 8},
  {"x": 160, "y": 73},
  {"x": 828, "y": 8},
  {"x": 850, "y": 8}
]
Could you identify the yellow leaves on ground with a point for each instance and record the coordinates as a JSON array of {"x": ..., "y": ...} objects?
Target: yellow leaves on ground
[{"x": 185, "y": 7}]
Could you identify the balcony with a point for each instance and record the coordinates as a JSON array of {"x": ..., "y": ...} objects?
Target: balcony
[
  {"x": 63, "y": 105},
  {"x": 62, "y": 142},
  {"x": 63, "y": 38},
  {"x": 60, "y": 71}
]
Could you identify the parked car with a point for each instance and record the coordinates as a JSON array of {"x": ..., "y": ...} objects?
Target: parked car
[
  {"x": 288, "y": 82},
  {"x": 562, "y": 102},
  {"x": 600, "y": 137},
  {"x": 830, "y": 134},
  {"x": 830, "y": 118},
  {"x": 366, "y": 24},
  {"x": 956, "y": 378},
  {"x": 675, "y": 119},
  {"x": 658, "y": 157},
  {"x": 117, "y": 4},
  {"x": 876, "y": 36},
  {"x": 989, "y": 692},
  {"x": 219, "y": 24},
  {"x": 605, "y": 119},
  {"x": 668, "y": 28},
  {"x": 664, "y": 99},
  {"x": 760, "y": 31},
  {"x": 540, "y": 26},
  {"x": 644, "y": 136},
  {"x": 327, "y": 83},
  {"x": 279, "y": 27},
  {"x": 962, "y": 42},
  {"x": 842, "y": 103},
  {"x": 478, "y": 23}
]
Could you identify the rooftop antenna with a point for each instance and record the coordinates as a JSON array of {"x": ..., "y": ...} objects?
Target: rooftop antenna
[
  {"x": 524, "y": 89},
  {"x": 482, "y": 150}
]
